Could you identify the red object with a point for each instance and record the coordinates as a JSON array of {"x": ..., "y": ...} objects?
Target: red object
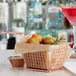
[
  {"x": 70, "y": 14},
  {"x": 17, "y": 62},
  {"x": 71, "y": 37},
  {"x": 66, "y": 23}
]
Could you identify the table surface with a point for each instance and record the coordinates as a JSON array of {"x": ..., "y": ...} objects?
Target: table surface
[{"x": 7, "y": 70}]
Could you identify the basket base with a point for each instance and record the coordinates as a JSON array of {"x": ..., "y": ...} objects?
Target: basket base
[{"x": 39, "y": 70}]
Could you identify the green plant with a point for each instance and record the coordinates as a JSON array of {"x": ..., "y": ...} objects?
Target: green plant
[{"x": 57, "y": 40}]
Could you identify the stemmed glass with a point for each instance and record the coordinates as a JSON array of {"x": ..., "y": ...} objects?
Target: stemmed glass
[{"x": 70, "y": 13}]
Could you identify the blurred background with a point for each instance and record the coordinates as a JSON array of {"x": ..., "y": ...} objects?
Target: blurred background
[{"x": 34, "y": 16}]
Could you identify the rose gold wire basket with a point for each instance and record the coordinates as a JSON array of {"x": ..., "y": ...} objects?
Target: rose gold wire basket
[{"x": 44, "y": 57}]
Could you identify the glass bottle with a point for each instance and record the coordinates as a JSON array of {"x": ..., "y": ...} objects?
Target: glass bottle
[{"x": 18, "y": 25}]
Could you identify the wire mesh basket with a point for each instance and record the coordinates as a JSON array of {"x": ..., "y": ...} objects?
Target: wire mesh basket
[{"x": 44, "y": 57}]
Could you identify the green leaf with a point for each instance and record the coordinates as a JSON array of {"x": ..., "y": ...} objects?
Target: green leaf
[{"x": 57, "y": 40}]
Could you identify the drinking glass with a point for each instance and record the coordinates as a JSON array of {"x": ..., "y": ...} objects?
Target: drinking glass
[{"x": 69, "y": 10}]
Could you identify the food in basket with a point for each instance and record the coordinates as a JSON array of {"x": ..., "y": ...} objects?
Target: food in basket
[
  {"x": 38, "y": 36},
  {"x": 48, "y": 40},
  {"x": 43, "y": 56},
  {"x": 35, "y": 39},
  {"x": 16, "y": 61},
  {"x": 38, "y": 39}
]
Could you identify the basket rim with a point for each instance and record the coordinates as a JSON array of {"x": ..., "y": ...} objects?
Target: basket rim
[{"x": 26, "y": 48}]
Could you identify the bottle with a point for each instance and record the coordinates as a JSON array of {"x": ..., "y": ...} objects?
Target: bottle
[
  {"x": 46, "y": 24},
  {"x": 18, "y": 25}
]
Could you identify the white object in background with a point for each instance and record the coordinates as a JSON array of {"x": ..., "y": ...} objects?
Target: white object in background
[
  {"x": 37, "y": 0},
  {"x": 3, "y": 44},
  {"x": 64, "y": 34},
  {"x": 74, "y": 31},
  {"x": 44, "y": 0},
  {"x": 23, "y": 38},
  {"x": 53, "y": 9},
  {"x": 38, "y": 20},
  {"x": 18, "y": 29},
  {"x": 71, "y": 65},
  {"x": 33, "y": 32}
]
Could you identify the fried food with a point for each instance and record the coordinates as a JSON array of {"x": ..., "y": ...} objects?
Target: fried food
[
  {"x": 47, "y": 40},
  {"x": 38, "y": 37},
  {"x": 33, "y": 41}
]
